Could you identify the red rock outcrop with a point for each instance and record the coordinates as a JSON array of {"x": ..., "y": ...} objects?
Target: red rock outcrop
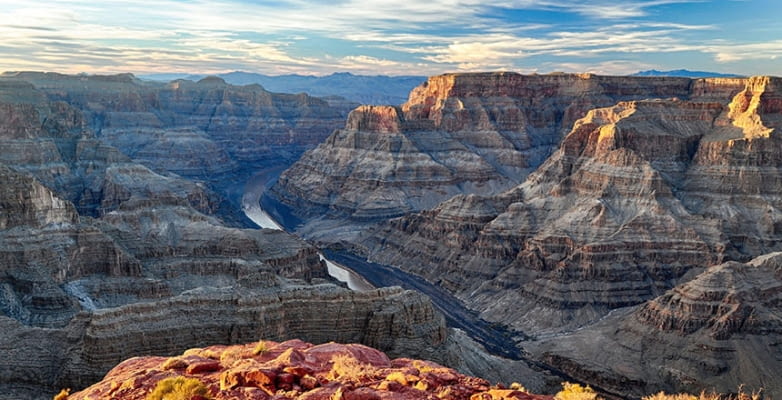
[{"x": 298, "y": 370}]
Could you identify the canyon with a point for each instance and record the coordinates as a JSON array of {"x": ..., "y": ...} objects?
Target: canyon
[
  {"x": 109, "y": 253},
  {"x": 575, "y": 212},
  {"x": 565, "y": 203}
]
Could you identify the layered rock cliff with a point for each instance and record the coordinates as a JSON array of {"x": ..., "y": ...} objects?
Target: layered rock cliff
[
  {"x": 639, "y": 198},
  {"x": 206, "y": 130},
  {"x": 717, "y": 330},
  {"x": 457, "y": 134},
  {"x": 103, "y": 259}
]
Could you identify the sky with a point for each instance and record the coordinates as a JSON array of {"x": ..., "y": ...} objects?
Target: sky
[{"x": 374, "y": 37}]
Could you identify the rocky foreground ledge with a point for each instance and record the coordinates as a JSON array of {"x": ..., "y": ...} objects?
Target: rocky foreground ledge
[{"x": 291, "y": 370}]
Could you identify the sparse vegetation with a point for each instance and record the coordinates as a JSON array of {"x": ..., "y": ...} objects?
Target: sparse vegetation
[
  {"x": 63, "y": 395},
  {"x": 740, "y": 395},
  {"x": 260, "y": 348},
  {"x": 179, "y": 388},
  {"x": 174, "y": 363},
  {"x": 231, "y": 355},
  {"x": 348, "y": 367},
  {"x": 574, "y": 391},
  {"x": 518, "y": 386}
]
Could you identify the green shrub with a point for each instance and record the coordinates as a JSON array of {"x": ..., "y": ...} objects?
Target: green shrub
[{"x": 178, "y": 388}]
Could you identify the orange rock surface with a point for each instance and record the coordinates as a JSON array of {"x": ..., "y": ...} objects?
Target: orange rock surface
[{"x": 297, "y": 370}]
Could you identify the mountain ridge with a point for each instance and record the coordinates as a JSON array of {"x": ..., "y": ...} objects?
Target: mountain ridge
[{"x": 364, "y": 89}]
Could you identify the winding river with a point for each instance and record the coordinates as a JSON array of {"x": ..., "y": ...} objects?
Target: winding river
[
  {"x": 251, "y": 206},
  {"x": 360, "y": 275}
]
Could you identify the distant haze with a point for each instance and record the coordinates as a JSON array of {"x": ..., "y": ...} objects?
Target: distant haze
[{"x": 357, "y": 88}]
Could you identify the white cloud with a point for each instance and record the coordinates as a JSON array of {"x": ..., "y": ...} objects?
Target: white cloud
[{"x": 381, "y": 37}]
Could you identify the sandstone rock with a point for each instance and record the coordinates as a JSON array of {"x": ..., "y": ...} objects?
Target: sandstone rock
[
  {"x": 457, "y": 134},
  {"x": 364, "y": 377},
  {"x": 717, "y": 331},
  {"x": 623, "y": 210}
]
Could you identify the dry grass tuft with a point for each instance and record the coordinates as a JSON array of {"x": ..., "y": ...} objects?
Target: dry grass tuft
[
  {"x": 179, "y": 388},
  {"x": 574, "y": 391},
  {"x": 174, "y": 363},
  {"x": 740, "y": 395},
  {"x": 348, "y": 367},
  {"x": 260, "y": 348}
]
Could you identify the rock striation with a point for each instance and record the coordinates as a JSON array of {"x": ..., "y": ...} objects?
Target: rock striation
[
  {"x": 297, "y": 370},
  {"x": 717, "y": 330},
  {"x": 208, "y": 130},
  {"x": 628, "y": 205},
  {"x": 641, "y": 197},
  {"x": 457, "y": 134},
  {"x": 102, "y": 259}
]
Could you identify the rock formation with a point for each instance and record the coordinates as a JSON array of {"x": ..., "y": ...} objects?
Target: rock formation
[
  {"x": 721, "y": 328},
  {"x": 298, "y": 370},
  {"x": 102, "y": 258},
  {"x": 206, "y": 130},
  {"x": 639, "y": 198},
  {"x": 457, "y": 134}
]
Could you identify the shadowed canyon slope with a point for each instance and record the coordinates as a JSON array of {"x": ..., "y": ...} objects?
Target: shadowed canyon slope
[
  {"x": 206, "y": 130},
  {"x": 645, "y": 191},
  {"x": 102, "y": 259}
]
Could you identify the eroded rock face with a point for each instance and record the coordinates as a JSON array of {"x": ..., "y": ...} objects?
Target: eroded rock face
[
  {"x": 457, "y": 134},
  {"x": 195, "y": 129},
  {"x": 641, "y": 197},
  {"x": 102, "y": 258},
  {"x": 299, "y": 370},
  {"x": 637, "y": 195},
  {"x": 719, "y": 330}
]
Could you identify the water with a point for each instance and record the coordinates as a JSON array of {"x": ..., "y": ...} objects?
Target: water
[{"x": 252, "y": 209}]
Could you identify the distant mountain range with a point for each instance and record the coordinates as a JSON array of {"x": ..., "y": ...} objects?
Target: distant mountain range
[
  {"x": 359, "y": 88},
  {"x": 685, "y": 73}
]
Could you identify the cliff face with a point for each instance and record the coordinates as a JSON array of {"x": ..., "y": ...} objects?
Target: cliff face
[
  {"x": 714, "y": 331},
  {"x": 639, "y": 198},
  {"x": 208, "y": 130},
  {"x": 103, "y": 259},
  {"x": 195, "y": 129},
  {"x": 457, "y": 134}
]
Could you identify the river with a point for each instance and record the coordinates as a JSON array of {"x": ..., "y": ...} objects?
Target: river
[
  {"x": 252, "y": 208},
  {"x": 361, "y": 275}
]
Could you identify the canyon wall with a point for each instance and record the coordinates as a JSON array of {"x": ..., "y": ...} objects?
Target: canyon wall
[
  {"x": 102, "y": 258},
  {"x": 640, "y": 186},
  {"x": 640, "y": 197},
  {"x": 457, "y": 134},
  {"x": 208, "y": 130}
]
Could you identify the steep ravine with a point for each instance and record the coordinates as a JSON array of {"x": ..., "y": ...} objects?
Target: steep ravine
[{"x": 508, "y": 359}]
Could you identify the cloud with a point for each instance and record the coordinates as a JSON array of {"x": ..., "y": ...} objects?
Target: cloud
[
  {"x": 754, "y": 51},
  {"x": 367, "y": 36}
]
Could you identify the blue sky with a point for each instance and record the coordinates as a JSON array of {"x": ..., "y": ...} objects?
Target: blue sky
[{"x": 393, "y": 38}]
